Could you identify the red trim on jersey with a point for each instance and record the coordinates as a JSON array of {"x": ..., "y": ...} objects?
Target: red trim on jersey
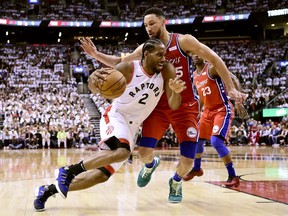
[
  {"x": 204, "y": 69},
  {"x": 149, "y": 75},
  {"x": 105, "y": 115},
  {"x": 123, "y": 141}
]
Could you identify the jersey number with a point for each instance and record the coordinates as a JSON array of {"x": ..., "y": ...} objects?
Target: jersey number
[
  {"x": 206, "y": 91},
  {"x": 142, "y": 100},
  {"x": 179, "y": 71}
]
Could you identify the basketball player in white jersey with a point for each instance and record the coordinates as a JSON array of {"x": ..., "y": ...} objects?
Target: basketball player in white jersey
[{"x": 146, "y": 81}]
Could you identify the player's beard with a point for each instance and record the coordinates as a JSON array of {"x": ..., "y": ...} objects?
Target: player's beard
[
  {"x": 157, "y": 34},
  {"x": 157, "y": 70}
]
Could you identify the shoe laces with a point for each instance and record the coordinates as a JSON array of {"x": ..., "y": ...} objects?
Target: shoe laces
[
  {"x": 66, "y": 178},
  {"x": 146, "y": 172},
  {"x": 176, "y": 188},
  {"x": 40, "y": 196}
]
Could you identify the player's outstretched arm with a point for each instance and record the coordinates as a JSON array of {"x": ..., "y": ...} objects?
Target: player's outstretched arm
[
  {"x": 110, "y": 60},
  {"x": 190, "y": 44},
  {"x": 240, "y": 109}
]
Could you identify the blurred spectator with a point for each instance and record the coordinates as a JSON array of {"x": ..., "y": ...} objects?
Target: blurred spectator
[
  {"x": 254, "y": 136},
  {"x": 264, "y": 135},
  {"x": 45, "y": 137},
  {"x": 61, "y": 136},
  {"x": 33, "y": 142},
  {"x": 275, "y": 130}
]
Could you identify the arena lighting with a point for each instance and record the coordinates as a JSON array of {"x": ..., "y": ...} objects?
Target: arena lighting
[
  {"x": 20, "y": 22},
  {"x": 33, "y": 1},
  {"x": 68, "y": 23},
  {"x": 3, "y": 21},
  {"x": 120, "y": 24},
  {"x": 127, "y": 24},
  {"x": 180, "y": 21},
  {"x": 283, "y": 63},
  {"x": 78, "y": 69},
  {"x": 231, "y": 17}
]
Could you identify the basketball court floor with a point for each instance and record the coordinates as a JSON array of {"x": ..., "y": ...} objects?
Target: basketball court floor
[{"x": 263, "y": 190}]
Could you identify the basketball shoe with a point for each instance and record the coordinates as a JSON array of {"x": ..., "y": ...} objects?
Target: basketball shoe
[
  {"x": 233, "y": 181},
  {"x": 193, "y": 173},
  {"x": 63, "y": 180},
  {"x": 175, "y": 194},
  {"x": 42, "y": 193},
  {"x": 145, "y": 174}
]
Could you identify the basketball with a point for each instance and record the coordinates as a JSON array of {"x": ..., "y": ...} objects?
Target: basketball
[{"x": 114, "y": 85}]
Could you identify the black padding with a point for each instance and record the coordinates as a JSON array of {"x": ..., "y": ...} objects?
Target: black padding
[
  {"x": 114, "y": 143},
  {"x": 105, "y": 171}
]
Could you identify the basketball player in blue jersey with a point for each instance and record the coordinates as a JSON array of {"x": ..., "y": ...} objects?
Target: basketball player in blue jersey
[{"x": 146, "y": 81}]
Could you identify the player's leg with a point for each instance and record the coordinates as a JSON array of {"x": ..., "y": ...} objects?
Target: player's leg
[
  {"x": 90, "y": 178},
  {"x": 66, "y": 175},
  {"x": 205, "y": 134},
  {"x": 120, "y": 151},
  {"x": 116, "y": 135},
  {"x": 82, "y": 181},
  {"x": 196, "y": 170},
  {"x": 153, "y": 129},
  {"x": 222, "y": 122},
  {"x": 187, "y": 132}
]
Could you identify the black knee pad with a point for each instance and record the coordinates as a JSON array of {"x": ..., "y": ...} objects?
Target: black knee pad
[
  {"x": 114, "y": 143},
  {"x": 105, "y": 171}
]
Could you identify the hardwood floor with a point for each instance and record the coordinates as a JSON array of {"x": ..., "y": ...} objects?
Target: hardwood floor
[{"x": 263, "y": 190}]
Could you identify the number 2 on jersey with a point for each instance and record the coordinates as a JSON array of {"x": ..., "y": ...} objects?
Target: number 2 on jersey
[{"x": 143, "y": 98}]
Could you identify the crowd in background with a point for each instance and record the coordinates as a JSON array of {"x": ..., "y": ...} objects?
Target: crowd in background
[
  {"x": 37, "y": 95},
  {"x": 129, "y": 10},
  {"x": 40, "y": 104}
]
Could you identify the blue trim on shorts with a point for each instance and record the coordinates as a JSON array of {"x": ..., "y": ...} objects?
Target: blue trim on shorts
[
  {"x": 188, "y": 149},
  {"x": 148, "y": 142}
]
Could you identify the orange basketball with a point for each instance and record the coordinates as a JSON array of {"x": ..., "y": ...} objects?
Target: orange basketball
[{"x": 114, "y": 85}]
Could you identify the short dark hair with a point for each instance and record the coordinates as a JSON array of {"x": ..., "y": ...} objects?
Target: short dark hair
[
  {"x": 157, "y": 11},
  {"x": 149, "y": 45}
]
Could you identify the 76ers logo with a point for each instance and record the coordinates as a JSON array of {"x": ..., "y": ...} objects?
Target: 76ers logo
[
  {"x": 191, "y": 132},
  {"x": 215, "y": 128}
]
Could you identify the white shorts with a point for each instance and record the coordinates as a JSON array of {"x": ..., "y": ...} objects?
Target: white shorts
[{"x": 113, "y": 123}]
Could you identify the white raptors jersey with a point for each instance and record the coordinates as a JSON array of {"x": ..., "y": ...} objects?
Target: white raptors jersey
[{"x": 141, "y": 95}]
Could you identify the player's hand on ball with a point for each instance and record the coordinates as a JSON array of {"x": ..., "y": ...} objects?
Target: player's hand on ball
[
  {"x": 177, "y": 85},
  {"x": 96, "y": 79}
]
